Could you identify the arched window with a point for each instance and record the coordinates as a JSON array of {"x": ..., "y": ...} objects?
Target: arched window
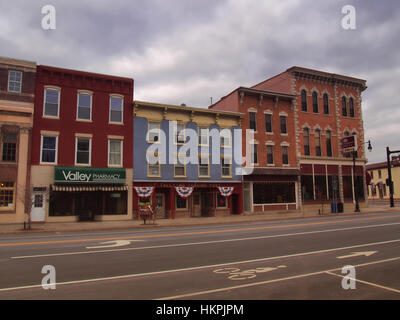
[
  {"x": 344, "y": 106},
  {"x": 318, "y": 142},
  {"x": 304, "y": 100},
  {"x": 329, "y": 143},
  {"x": 326, "y": 103},
  {"x": 351, "y": 107},
  {"x": 306, "y": 141},
  {"x": 315, "y": 102}
]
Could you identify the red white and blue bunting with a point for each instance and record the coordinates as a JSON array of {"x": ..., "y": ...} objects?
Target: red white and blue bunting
[
  {"x": 225, "y": 191},
  {"x": 144, "y": 192},
  {"x": 184, "y": 192}
]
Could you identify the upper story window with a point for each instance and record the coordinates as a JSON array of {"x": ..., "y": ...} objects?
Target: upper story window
[
  {"x": 254, "y": 153},
  {"x": 351, "y": 107},
  {"x": 9, "y": 147},
  {"x": 326, "y": 103},
  {"x": 84, "y": 111},
  {"x": 315, "y": 102},
  {"x": 180, "y": 165},
  {"x": 180, "y": 133},
  {"x": 285, "y": 155},
  {"x": 14, "y": 81},
  {"x": 83, "y": 150},
  {"x": 252, "y": 119},
  {"x": 48, "y": 152},
  {"x": 329, "y": 143},
  {"x": 153, "y": 132},
  {"x": 204, "y": 165},
  {"x": 51, "y": 102},
  {"x": 268, "y": 122},
  {"x": 203, "y": 134},
  {"x": 344, "y": 106},
  {"x": 318, "y": 142},
  {"x": 270, "y": 154},
  {"x": 226, "y": 139},
  {"x": 304, "y": 100},
  {"x": 153, "y": 164},
  {"x": 116, "y": 109},
  {"x": 306, "y": 141},
  {"x": 115, "y": 152},
  {"x": 283, "y": 124},
  {"x": 226, "y": 166}
]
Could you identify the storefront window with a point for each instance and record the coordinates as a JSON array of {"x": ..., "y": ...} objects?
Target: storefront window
[
  {"x": 320, "y": 187},
  {"x": 347, "y": 188},
  {"x": 221, "y": 201},
  {"x": 7, "y": 195},
  {"x": 274, "y": 193},
  {"x": 115, "y": 203},
  {"x": 307, "y": 189},
  {"x": 181, "y": 203},
  {"x": 61, "y": 204}
]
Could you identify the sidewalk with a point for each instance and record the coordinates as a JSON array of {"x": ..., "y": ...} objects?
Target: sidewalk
[{"x": 138, "y": 224}]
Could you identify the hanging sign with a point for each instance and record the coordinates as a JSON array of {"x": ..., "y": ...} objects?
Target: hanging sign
[
  {"x": 144, "y": 192},
  {"x": 184, "y": 192},
  {"x": 225, "y": 191}
]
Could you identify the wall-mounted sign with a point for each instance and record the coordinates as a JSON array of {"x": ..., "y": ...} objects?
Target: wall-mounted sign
[
  {"x": 349, "y": 144},
  {"x": 89, "y": 175}
]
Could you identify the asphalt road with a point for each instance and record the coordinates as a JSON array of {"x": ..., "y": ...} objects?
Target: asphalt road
[{"x": 296, "y": 259}]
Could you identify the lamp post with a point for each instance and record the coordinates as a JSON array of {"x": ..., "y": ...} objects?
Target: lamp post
[{"x": 355, "y": 181}]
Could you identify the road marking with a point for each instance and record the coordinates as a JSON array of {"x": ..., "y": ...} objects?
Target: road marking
[
  {"x": 200, "y": 243},
  {"x": 236, "y": 274},
  {"x": 356, "y": 254},
  {"x": 205, "y": 267},
  {"x": 364, "y": 282},
  {"x": 198, "y": 232},
  {"x": 113, "y": 243},
  {"x": 254, "y": 284}
]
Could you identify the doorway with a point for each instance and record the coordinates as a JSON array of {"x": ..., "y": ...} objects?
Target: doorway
[
  {"x": 207, "y": 204},
  {"x": 196, "y": 204},
  {"x": 38, "y": 213},
  {"x": 160, "y": 206}
]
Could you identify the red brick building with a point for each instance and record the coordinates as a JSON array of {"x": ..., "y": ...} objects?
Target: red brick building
[
  {"x": 323, "y": 108},
  {"x": 82, "y": 146}
]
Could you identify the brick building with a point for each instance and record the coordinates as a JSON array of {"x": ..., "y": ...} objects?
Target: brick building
[
  {"x": 82, "y": 146},
  {"x": 17, "y": 89}
]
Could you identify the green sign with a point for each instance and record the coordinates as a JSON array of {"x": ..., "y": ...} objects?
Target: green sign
[{"x": 89, "y": 175}]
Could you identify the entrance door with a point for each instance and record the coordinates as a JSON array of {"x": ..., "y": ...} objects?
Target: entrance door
[
  {"x": 38, "y": 213},
  {"x": 196, "y": 204},
  {"x": 208, "y": 204},
  {"x": 160, "y": 206}
]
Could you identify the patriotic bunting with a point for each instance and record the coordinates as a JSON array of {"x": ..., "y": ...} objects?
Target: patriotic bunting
[
  {"x": 225, "y": 191},
  {"x": 184, "y": 192},
  {"x": 144, "y": 192}
]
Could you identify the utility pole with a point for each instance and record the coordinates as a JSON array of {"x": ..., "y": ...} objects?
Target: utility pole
[{"x": 389, "y": 167}]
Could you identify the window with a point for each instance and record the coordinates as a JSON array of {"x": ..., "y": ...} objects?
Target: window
[
  {"x": 116, "y": 109},
  {"x": 180, "y": 133},
  {"x": 203, "y": 136},
  {"x": 9, "y": 149},
  {"x": 379, "y": 174},
  {"x": 285, "y": 155},
  {"x": 329, "y": 143},
  {"x": 252, "y": 119},
  {"x": 49, "y": 149},
  {"x": 14, "y": 81},
  {"x": 226, "y": 141},
  {"x": 351, "y": 107},
  {"x": 153, "y": 132},
  {"x": 7, "y": 195},
  {"x": 38, "y": 201},
  {"x": 270, "y": 154},
  {"x": 344, "y": 107},
  {"x": 115, "y": 203},
  {"x": 83, "y": 145},
  {"x": 204, "y": 165},
  {"x": 153, "y": 164},
  {"x": 326, "y": 103},
  {"x": 268, "y": 123},
  {"x": 51, "y": 102},
  {"x": 318, "y": 142},
  {"x": 304, "y": 100},
  {"x": 115, "y": 152},
  {"x": 180, "y": 166},
  {"x": 226, "y": 167},
  {"x": 181, "y": 203},
  {"x": 306, "y": 141},
  {"x": 283, "y": 124},
  {"x": 254, "y": 153},
  {"x": 372, "y": 174},
  {"x": 84, "y": 111},
  {"x": 315, "y": 102},
  {"x": 221, "y": 201}
]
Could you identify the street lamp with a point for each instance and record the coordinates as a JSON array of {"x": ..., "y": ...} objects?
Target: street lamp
[{"x": 355, "y": 181}]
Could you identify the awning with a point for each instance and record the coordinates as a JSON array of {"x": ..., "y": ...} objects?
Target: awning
[
  {"x": 276, "y": 171},
  {"x": 69, "y": 188}
]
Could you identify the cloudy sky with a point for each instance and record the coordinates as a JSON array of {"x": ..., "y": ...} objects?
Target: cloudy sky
[{"x": 187, "y": 51}]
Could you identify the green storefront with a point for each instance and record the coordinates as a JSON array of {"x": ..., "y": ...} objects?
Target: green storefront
[{"x": 88, "y": 192}]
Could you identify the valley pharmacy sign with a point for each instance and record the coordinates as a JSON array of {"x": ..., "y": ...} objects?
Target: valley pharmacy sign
[{"x": 89, "y": 175}]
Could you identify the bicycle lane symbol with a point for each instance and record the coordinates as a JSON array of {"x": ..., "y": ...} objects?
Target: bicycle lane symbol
[{"x": 237, "y": 274}]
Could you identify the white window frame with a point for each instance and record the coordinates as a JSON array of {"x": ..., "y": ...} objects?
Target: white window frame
[
  {"x": 199, "y": 131},
  {"x": 158, "y": 124},
  {"x": 14, "y": 81},
  {"x": 76, "y": 150},
  {"x": 204, "y": 155},
  {"x": 90, "y": 108},
  {"x": 41, "y": 148},
  {"x": 158, "y": 156},
  {"x": 58, "y": 102},
  {"x": 121, "y": 143},
  {"x": 122, "y": 109}
]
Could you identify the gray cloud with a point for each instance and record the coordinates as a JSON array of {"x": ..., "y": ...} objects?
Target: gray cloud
[{"x": 188, "y": 51}]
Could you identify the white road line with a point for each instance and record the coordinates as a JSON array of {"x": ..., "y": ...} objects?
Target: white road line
[
  {"x": 365, "y": 282},
  {"x": 204, "y": 267},
  {"x": 193, "y": 294},
  {"x": 201, "y": 243}
]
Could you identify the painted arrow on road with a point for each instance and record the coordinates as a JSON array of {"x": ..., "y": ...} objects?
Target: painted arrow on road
[
  {"x": 113, "y": 243},
  {"x": 356, "y": 254}
]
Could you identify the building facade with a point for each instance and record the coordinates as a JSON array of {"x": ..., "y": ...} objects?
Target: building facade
[
  {"x": 82, "y": 154},
  {"x": 184, "y": 161},
  {"x": 378, "y": 188},
  {"x": 17, "y": 89},
  {"x": 324, "y": 108}
]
